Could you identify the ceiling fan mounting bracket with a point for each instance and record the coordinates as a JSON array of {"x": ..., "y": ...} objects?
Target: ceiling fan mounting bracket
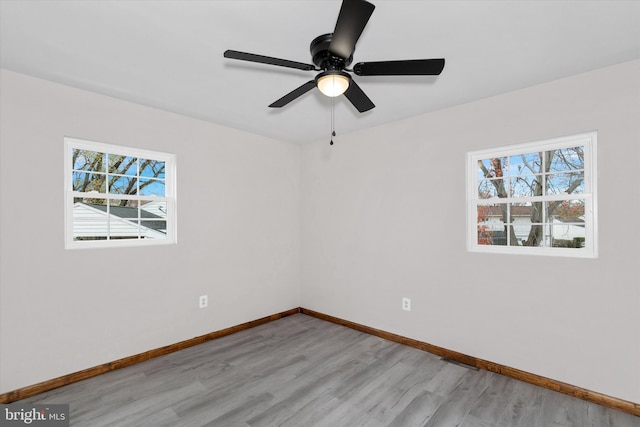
[{"x": 324, "y": 59}]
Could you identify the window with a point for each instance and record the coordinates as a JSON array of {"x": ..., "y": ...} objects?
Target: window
[
  {"x": 536, "y": 198},
  {"x": 118, "y": 196}
]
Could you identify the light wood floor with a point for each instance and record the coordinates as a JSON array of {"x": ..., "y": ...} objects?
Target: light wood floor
[{"x": 301, "y": 371}]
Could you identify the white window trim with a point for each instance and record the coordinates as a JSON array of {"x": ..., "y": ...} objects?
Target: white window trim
[
  {"x": 170, "y": 194},
  {"x": 589, "y": 141}
]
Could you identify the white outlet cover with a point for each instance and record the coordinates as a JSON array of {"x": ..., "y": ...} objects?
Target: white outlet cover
[{"x": 203, "y": 301}]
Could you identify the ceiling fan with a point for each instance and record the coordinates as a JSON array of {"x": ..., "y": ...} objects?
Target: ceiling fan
[{"x": 332, "y": 53}]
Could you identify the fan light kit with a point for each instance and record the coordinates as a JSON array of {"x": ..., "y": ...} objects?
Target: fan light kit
[
  {"x": 333, "y": 83},
  {"x": 331, "y": 55}
]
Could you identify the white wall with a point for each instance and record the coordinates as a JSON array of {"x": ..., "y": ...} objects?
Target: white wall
[
  {"x": 383, "y": 217},
  {"x": 238, "y": 235}
]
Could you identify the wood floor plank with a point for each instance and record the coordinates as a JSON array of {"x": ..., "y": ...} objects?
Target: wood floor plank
[
  {"x": 462, "y": 399},
  {"x": 303, "y": 371},
  {"x": 419, "y": 411},
  {"x": 508, "y": 403}
]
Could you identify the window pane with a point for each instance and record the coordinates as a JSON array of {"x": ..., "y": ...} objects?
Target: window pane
[
  {"x": 567, "y": 159},
  {"x": 122, "y": 185},
  {"x": 86, "y": 160},
  {"x": 494, "y": 214},
  {"x": 154, "y": 223},
  {"x": 152, "y": 187},
  {"x": 565, "y": 183},
  {"x": 123, "y": 202},
  {"x": 152, "y": 168},
  {"x": 566, "y": 210},
  {"x": 566, "y": 235},
  {"x": 531, "y": 234},
  {"x": 491, "y": 226},
  {"x": 153, "y": 229},
  {"x": 89, "y": 219},
  {"x": 567, "y": 226},
  {"x": 526, "y": 186},
  {"x": 122, "y": 227},
  {"x": 154, "y": 207},
  {"x": 87, "y": 181},
  {"x": 123, "y": 165},
  {"x": 485, "y": 235},
  {"x": 530, "y": 211},
  {"x": 492, "y": 168},
  {"x": 123, "y": 208},
  {"x": 488, "y": 188},
  {"x": 521, "y": 220},
  {"x": 525, "y": 164},
  {"x": 489, "y": 236}
]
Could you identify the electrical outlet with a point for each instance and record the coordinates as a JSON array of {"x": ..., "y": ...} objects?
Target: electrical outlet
[
  {"x": 406, "y": 304},
  {"x": 203, "y": 301}
]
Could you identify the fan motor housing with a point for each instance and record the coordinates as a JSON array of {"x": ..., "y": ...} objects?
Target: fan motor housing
[{"x": 324, "y": 59}]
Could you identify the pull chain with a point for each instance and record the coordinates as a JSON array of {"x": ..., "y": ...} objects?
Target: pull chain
[{"x": 333, "y": 120}]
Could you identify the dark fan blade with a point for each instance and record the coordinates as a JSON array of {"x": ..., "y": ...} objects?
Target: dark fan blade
[
  {"x": 353, "y": 17},
  {"x": 243, "y": 56},
  {"x": 412, "y": 67},
  {"x": 294, "y": 94},
  {"x": 358, "y": 97}
]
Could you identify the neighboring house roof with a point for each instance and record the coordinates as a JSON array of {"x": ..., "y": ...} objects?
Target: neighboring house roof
[
  {"x": 92, "y": 220},
  {"x": 129, "y": 213}
]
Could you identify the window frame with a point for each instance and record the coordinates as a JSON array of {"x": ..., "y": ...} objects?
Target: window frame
[
  {"x": 589, "y": 141},
  {"x": 71, "y": 143}
]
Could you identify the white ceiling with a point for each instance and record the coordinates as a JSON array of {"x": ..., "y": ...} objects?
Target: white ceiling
[{"x": 168, "y": 54}]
